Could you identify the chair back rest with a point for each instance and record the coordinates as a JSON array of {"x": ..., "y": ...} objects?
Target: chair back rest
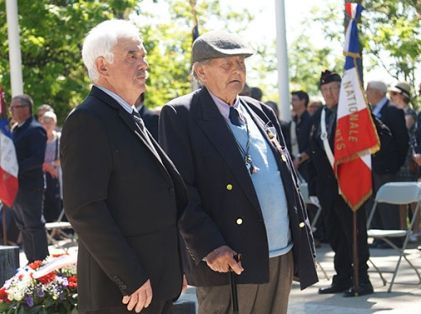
[
  {"x": 305, "y": 193},
  {"x": 399, "y": 193}
]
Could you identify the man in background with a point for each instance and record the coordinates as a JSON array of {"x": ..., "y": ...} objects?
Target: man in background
[
  {"x": 30, "y": 140},
  {"x": 336, "y": 213},
  {"x": 389, "y": 159}
]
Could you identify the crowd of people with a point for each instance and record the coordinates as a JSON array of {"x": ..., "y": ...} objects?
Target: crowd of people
[{"x": 204, "y": 192}]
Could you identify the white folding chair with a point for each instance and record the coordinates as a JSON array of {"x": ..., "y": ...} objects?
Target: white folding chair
[
  {"x": 309, "y": 200},
  {"x": 58, "y": 227},
  {"x": 397, "y": 193}
]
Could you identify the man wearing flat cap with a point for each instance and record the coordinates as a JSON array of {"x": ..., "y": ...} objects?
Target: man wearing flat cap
[
  {"x": 245, "y": 213},
  {"x": 336, "y": 213}
]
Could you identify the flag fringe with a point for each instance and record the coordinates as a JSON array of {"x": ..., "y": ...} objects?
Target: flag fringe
[
  {"x": 353, "y": 55},
  {"x": 357, "y": 206}
]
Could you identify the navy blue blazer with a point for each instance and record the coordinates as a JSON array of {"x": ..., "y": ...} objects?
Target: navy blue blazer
[
  {"x": 201, "y": 145},
  {"x": 391, "y": 162},
  {"x": 30, "y": 140}
]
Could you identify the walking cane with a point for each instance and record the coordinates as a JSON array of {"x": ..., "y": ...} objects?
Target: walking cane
[{"x": 233, "y": 283}]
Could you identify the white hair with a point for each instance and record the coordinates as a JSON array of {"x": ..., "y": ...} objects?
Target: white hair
[
  {"x": 49, "y": 115},
  {"x": 378, "y": 85},
  {"x": 101, "y": 40}
]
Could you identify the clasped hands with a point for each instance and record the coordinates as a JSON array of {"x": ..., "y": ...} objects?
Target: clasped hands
[{"x": 222, "y": 260}]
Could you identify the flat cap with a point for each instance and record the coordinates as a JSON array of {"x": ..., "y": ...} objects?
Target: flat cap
[
  {"x": 219, "y": 44},
  {"x": 329, "y": 76}
]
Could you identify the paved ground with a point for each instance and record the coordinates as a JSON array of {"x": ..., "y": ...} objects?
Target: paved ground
[{"x": 404, "y": 298}]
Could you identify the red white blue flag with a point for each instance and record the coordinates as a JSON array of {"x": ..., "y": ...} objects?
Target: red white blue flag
[
  {"x": 8, "y": 161},
  {"x": 356, "y": 137}
]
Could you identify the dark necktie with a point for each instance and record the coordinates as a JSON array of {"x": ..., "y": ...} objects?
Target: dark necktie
[
  {"x": 139, "y": 122},
  {"x": 235, "y": 117},
  {"x": 138, "y": 119}
]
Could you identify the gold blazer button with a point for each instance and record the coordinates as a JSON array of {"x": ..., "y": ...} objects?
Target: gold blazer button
[
  {"x": 301, "y": 225},
  {"x": 229, "y": 187},
  {"x": 239, "y": 221}
]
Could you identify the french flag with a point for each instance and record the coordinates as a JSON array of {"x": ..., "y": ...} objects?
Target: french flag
[
  {"x": 8, "y": 160},
  {"x": 356, "y": 137}
]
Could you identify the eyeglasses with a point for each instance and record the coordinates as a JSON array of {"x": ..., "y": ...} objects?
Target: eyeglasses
[{"x": 17, "y": 106}]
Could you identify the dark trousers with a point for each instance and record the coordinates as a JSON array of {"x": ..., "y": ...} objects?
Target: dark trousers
[
  {"x": 52, "y": 199},
  {"x": 339, "y": 231},
  {"x": 27, "y": 211},
  {"x": 387, "y": 215}
]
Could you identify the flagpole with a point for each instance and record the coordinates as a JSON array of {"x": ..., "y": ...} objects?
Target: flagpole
[
  {"x": 282, "y": 56},
  {"x": 4, "y": 224},
  {"x": 15, "y": 57},
  {"x": 195, "y": 34},
  {"x": 355, "y": 253}
]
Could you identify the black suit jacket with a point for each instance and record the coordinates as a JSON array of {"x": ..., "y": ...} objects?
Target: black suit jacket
[
  {"x": 397, "y": 150},
  {"x": 322, "y": 179},
  {"x": 302, "y": 132},
  {"x": 198, "y": 140},
  {"x": 30, "y": 140},
  {"x": 151, "y": 120},
  {"x": 123, "y": 203}
]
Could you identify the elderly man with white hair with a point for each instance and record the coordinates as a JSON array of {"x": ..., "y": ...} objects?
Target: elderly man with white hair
[
  {"x": 390, "y": 158},
  {"x": 244, "y": 198},
  {"x": 122, "y": 194}
]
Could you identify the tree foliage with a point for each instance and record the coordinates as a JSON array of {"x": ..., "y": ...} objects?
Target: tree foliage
[
  {"x": 168, "y": 44},
  {"x": 391, "y": 36},
  {"x": 389, "y": 33},
  {"x": 51, "y": 33}
]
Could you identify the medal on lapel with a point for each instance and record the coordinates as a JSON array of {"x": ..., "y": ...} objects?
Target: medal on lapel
[
  {"x": 271, "y": 133},
  {"x": 249, "y": 164}
]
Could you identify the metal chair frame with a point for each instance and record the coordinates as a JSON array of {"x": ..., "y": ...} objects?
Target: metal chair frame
[
  {"x": 397, "y": 193},
  {"x": 306, "y": 197}
]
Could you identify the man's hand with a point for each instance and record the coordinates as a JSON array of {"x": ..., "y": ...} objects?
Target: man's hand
[
  {"x": 139, "y": 299},
  {"x": 184, "y": 287},
  {"x": 296, "y": 163},
  {"x": 417, "y": 159},
  {"x": 222, "y": 260},
  {"x": 48, "y": 167}
]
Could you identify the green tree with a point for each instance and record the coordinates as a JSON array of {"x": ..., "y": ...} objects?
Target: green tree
[
  {"x": 307, "y": 59},
  {"x": 51, "y": 33},
  {"x": 391, "y": 36},
  {"x": 168, "y": 44}
]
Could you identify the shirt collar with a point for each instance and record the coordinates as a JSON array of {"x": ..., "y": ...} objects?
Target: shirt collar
[
  {"x": 379, "y": 106},
  {"x": 223, "y": 107},
  {"x": 118, "y": 99}
]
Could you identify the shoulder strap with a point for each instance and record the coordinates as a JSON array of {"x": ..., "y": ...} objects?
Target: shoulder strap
[{"x": 323, "y": 137}]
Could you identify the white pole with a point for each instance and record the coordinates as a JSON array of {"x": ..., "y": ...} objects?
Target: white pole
[
  {"x": 282, "y": 55},
  {"x": 15, "y": 58}
]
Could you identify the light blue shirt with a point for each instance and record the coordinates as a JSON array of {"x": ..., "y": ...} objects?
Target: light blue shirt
[
  {"x": 379, "y": 106},
  {"x": 118, "y": 99},
  {"x": 267, "y": 181}
]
